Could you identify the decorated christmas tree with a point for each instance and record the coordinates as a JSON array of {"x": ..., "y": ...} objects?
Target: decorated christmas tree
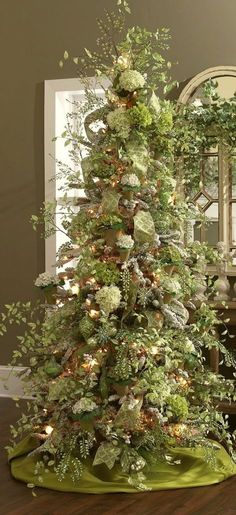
[{"x": 123, "y": 397}]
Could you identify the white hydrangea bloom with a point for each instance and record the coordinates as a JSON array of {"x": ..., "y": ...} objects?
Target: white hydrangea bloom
[
  {"x": 125, "y": 241},
  {"x": 130, "y": 80},
  {"x": 108, "y": 297},
  {"x": 84, "y": 405},
  {"x": 46, "y": 279},
  {"x": 130, "y": 179},
  {"x": 118, "y": 121}
]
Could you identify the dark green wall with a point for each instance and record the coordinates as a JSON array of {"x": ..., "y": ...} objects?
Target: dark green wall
[{"x": 33, "y": 36}]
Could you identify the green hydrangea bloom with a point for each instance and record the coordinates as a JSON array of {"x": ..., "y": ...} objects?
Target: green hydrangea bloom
[
  {"x": 107, "y": 273},
  {"x": 118, "y": 120},
  {"x": 178, "y": 406},
  {"x": 108, "y": 298},
  {"x": 130, "y": 80},
  {"x": 140, "y": 115}
]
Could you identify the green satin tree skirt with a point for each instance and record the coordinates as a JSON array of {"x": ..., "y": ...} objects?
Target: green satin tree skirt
[{"x": 192, "y": 471}]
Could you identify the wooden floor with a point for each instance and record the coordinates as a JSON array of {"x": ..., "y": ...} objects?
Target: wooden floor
[{"x": 16, "y": 498}]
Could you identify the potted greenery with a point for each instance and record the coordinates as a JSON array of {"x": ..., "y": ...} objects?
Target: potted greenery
[
  {"x": 48, "y": 284},
  {"x": 130, "y": 183},
  {"x": 124, "y": 244}
]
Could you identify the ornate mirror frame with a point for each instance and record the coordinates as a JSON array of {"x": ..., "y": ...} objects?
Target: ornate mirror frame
[{"x": 225, "y": 220}]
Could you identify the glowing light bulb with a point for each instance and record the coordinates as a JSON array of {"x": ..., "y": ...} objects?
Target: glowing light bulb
[
  {"x": 154, "y": 350},
  {"x": 48, "y": 430},
  {"x": 182, "y": 382},
  {"x": 94, "y": 314},
  {"x": 75, "y": 289},
  {"x": 179, "y": 429},
  {"x": 86, "y": 366}
]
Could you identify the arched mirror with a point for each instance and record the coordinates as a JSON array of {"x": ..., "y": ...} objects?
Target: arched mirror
[{"x": 216, "y": 193}]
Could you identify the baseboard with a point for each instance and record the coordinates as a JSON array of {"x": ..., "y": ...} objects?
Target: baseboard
[{"x": 11, "y": 385}]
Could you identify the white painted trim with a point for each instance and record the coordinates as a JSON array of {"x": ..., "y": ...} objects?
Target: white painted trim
[
  {"x": 49, "y": 164},
  {"x": 51, "y": 88},
  {"x": 209, "y": 73},
  {"x": 11, "y": 385}
]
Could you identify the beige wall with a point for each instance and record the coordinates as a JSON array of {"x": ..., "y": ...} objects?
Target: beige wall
[{"x": 33, "y": 36}]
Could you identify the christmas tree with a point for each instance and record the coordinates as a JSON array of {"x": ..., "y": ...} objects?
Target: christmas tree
[{"x": 122, "y": 394}]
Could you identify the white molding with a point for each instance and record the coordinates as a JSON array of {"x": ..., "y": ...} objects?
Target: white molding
[
  {"x": 11, "y": 384},
  {"x": 53, "y": 90},
  {"x": 209, "y": 73}
]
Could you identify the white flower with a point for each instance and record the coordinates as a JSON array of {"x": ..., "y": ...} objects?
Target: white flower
[
  {"x": 123, "y": 61},
  {"x": 130, "y": 80},
  {"x": 125, "y": 241},
  {"x": 198, "y": 106},
  {"x": 118, "y": 121},
  {"x": 84, "y": 405},
  {"x": 46, "y": 279},
  {"x": 108, "y": 298},
  {"x": 197, "y": 103},
  {"x": 130, "y": 179}
]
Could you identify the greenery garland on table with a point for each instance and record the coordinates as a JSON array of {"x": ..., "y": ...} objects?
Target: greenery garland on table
[{"x": 117, "y": 367}]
